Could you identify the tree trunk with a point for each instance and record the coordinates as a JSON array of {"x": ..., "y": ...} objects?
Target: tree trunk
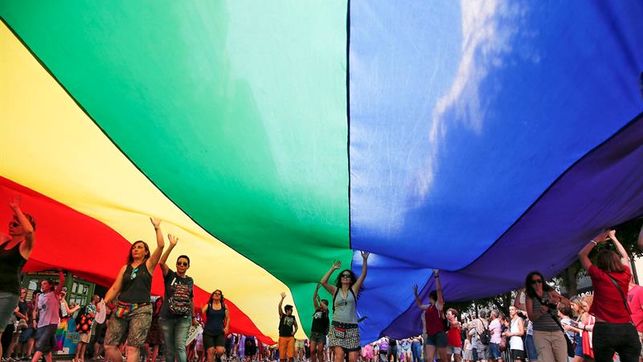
[{"x": 569, "y": 279}]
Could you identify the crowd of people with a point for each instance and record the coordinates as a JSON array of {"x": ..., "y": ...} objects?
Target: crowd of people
[{"x": 130, "y": 324}]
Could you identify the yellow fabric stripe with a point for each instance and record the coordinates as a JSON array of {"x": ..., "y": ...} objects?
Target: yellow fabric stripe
[{"x": 47, "y": 143}]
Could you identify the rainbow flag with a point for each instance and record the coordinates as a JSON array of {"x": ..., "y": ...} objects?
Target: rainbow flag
[{"x": 483, "y": 138}]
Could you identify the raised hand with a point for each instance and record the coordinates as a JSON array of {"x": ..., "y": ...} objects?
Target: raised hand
[
  {"x": 415, "y": 288},
  {"x": 14, "y": 204},
  {"x": 612, "y": 234},
  {"x": 283, "y": 295},
  {"x": 173, "y": 239},
  {"x": 602, "y": 236},
  {"x": 365, "y": 255},
  {"x": 336, "y": 265},
  {"x": 436, "y": 272},
  {"x": 156, "y": 222}
]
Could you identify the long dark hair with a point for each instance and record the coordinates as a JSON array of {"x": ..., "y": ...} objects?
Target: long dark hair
[
  {"x": 212, "y": 297},
  {"x": 130, "y": 258},
  {"x": 338, "y": 280},
  {"x": 531, "y": 292}
]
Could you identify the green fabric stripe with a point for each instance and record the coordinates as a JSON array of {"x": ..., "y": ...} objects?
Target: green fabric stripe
[{"x": 235, "y": 110}]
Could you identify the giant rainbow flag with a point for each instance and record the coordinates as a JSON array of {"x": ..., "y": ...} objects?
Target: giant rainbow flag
[{"x": 484, "y": 138}]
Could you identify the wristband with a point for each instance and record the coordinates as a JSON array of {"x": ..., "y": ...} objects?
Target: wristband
[{"x": 595, "y": 243}]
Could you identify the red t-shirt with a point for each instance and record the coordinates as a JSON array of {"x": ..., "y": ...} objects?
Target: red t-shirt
[
  {"x": 635, "y": 300},
  {"x": 608, "y": 304},
  {"x": 454, "y": 339}
]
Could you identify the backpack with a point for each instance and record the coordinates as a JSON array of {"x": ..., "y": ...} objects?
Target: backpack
[
  {"x": 180, "y": 303},
  {"x": 485, "y": 336},
  {"x": 84, "y": 321},
  {"x": 337, "y": 292}
]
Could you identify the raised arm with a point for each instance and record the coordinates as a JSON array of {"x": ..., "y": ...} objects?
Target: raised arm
[
  {"x": 316, "y": 297},
  {"x": 27, "y": 245},
  {"x": 360, "y": 280},
  {"x": 324, "y": 280},
  {"x": 281, "y": 303},
  {"x": 438, "y": 287},
  {"x": 625, "y": 259},
  {"x": 115, "y": 289},
  {"x": 583, "y": 254},
  {"x": 173, "y": 240},
  {"x": 70, "y": 311},
  {"x": 418, "y": 301},
  {"x": 160, "y": 243},
  {"x": 61, "y": 282}
]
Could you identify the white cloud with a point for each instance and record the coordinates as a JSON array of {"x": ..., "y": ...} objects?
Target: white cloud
[{"x": 487, "y": 28}]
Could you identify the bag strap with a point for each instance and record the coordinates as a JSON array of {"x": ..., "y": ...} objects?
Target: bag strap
[
  {"x": 620, "y": 291},
  {"x": 338, "y": 290},
  {"x": 555, "y": 318}
]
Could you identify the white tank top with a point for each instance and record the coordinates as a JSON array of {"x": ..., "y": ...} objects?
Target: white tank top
[{"x": 515, "y": 342}]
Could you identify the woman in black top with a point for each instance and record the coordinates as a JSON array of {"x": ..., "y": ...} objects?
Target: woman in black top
[
  {"x": 14, "y": 252},
  {"x": 217, "y": 324},
  {"x": 133, "y": 315}
]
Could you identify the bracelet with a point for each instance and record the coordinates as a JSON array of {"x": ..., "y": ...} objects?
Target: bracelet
[{"x": 595, "y": 243}]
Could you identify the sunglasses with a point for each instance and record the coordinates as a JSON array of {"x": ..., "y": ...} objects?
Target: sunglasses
[
  {"x": 182, "y": 263},
  {"x": 537, "y": 281},
  {"x": 346, "y": 275},
  {"x": 217, "y": 293}
]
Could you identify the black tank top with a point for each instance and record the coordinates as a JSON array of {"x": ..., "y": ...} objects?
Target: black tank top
[
  {"x": 11, "y": 262},
  {"x": 321, "y": 322},
  {"x": 286, "y": 326},
  {"x": 137, "y": 285},
  {"x": 214, "y": 320}
]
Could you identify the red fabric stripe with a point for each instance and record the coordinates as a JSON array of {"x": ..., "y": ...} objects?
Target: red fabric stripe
[{"x": 69, "y": 240}]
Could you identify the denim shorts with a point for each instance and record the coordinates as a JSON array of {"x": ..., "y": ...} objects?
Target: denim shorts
[
  {"x": 46, "y": 338},
  {"x": 26, "y": 335},
  {"x": 318, "y": 337},
  {"x": 8, "y": 302},
  {"x": 494, "y": 351},
  {"x": 439, "y": 340}
]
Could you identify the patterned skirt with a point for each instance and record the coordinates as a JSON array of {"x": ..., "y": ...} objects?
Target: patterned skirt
[{"x": 345, "y": 335}]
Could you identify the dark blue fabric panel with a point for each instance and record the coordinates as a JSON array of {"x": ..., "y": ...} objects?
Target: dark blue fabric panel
[{"x": 462, "y": 117}]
